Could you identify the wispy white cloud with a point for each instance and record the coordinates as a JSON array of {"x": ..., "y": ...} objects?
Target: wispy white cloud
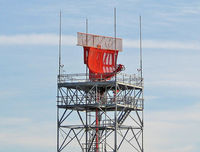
[
  {"x": 36, "y": 39},
  {"x": 162, "y": 130},
  {"x": 158, "y": 44},
  {"x": 13, "y": 121},
  {"x": 175, "y": 83},
  {"x": 191, "y": 10},
  {"x": 172, "y": 131},
  {"x": 185, "y": 9},
  {"x": 150, "y": 98},
  {"x": 70, "y": 40},
  {"x": 25, "y": 132},
  {"x": 9, "y": 93}
]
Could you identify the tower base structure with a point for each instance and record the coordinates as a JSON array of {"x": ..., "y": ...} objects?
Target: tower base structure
[{"x": 99, "y": 116}]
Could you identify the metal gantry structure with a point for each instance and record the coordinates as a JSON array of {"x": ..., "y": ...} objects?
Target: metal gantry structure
[
  {"x": 103, "y": 115},
  {"x": 79, "y": 99}
]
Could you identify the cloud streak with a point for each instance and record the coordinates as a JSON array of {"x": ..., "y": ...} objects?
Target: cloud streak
[
  {"x": 164, "y": 128},
  {"x": 158, "y": 44},
  {"x": 70, "y": 40},
  {"x": 25, "y": 132},
  {"x": 36, "y": 39},
  {"x": 178, "y": 84}
]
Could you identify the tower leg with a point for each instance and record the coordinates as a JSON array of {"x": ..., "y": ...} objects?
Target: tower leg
[{"x": 97, "y": 130}]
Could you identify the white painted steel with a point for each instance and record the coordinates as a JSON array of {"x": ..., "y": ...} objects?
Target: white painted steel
[{"x": 98, "y": 41}]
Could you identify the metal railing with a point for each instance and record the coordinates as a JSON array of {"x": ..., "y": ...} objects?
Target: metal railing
[
  {"x": 83, "y": 77},
  {"x": 93, "y": 147},
  {"x": 122, "y": 100}
]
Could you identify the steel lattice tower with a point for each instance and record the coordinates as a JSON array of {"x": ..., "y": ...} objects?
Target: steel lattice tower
[
  {"x": 80, "y": 100},
  {"x": 100, "y": 116}
]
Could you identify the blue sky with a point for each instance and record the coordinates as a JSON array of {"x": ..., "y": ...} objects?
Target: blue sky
[{"x": 28, "y": 63}]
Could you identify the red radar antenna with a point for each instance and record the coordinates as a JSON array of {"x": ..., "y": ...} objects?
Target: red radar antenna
[{"x": 99, "y": 55}]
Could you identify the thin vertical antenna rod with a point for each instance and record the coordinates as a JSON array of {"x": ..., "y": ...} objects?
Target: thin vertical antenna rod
[
  {"x": 115, "y": 94},
  {"x": 141, "y": 46},
  {"x": 60, "y": 47},
  {"x": 115, "y": 35},
  {"x": 86, "y": 98},
  {"x": 86, "y": 45},
  {"x": 59, "y": 81},
  {"x": 86, "y": 31},
  {"x": 141, "y": 81}
]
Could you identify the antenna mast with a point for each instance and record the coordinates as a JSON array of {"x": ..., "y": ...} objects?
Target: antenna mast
[
  {"x": 142, "y": 94},
  {"x": 86, "y": 44},
  {"x": 60, "y": 47},
  {"x": 115, "y": 35},
  {"x": 141, "y": 47}
]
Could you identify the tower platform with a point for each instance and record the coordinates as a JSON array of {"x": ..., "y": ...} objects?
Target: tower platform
[
  {"x": 82, "y": 88},
  {"x": 86, "y": 86},
  {"x": 81, "y": 81},
  {"x": 103, "y": 108}
]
